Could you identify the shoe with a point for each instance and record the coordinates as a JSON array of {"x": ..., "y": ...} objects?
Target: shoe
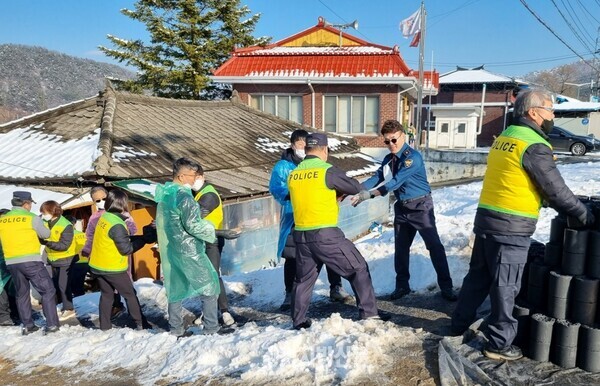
[
  {"x": 185, "y": 334},
  {"x": 6, "y": 322},
  {"x": 116, "y": 312},
  {"x": 29, "y": 330},
  {"x": 66, "y": 314},
  {"x": 287, "y": 302},
  {"x": 449, "y": 295},
  {"x": 384, "y": 317},
  {"x": 510, "y": 353},
  {"x": 227, "y": 319},
  {"x": 399, "y": 293},
  {"x": 199, "y": 320},
  {"x": 306, "y": 324},
  {"x": 338, "y": 294},
  {"x": 225, "y": 330},
  {"x": 51, "y": 330}
]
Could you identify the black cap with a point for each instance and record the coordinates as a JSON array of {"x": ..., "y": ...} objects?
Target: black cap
[
  {"x": 316, "y": 139},
  {"x": 23, "y": 196}
]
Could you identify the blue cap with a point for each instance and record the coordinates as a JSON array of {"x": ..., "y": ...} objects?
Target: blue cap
[{"x": 316, "y": 139}]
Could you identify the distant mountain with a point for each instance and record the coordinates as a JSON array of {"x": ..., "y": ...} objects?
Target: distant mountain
[{"x": 34, "y": 79}]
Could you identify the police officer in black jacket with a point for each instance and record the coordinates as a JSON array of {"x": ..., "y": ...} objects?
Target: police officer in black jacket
[{"x": 520, "y": 174}]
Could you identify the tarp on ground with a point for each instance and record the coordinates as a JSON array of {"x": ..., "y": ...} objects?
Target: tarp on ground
[{"x": 461, "y": 363}]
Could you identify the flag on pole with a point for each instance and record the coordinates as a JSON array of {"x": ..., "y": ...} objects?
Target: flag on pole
[
  {"x": 411, "y": 25},
  {"x": 416, "y": 39}
]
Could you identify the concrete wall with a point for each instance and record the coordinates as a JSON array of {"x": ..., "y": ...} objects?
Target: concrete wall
[{"x": 446, "y": 165}]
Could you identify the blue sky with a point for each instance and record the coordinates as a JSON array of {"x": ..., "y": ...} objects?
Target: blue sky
[{"x": 500, "y": 34}]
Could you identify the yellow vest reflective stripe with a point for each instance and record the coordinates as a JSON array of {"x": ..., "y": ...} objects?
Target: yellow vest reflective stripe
[
  {"x": 105, "y": 256},
  {"x": 77, "y": 246},
  {"x": 216, "y": 216},
  {"x": 55, "y": 234},
  {"x": 17, "y": 235},
  {"x": 314, "y": 204},
  {"x": 507, "y": 187}
]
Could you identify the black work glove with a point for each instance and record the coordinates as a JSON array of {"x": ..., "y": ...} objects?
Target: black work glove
[
  {"x": 228, "y": 234},
  {"x": 149, "y": 233}
]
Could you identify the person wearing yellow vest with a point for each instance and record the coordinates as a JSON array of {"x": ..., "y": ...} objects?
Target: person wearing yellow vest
[
  {"x": 520, "y": 175},
  {"x": 314, "y": 188},
  {"x": 6, "y": 295},
  {"x": 81, "y": 267},
  {"x": 211, "y": 209},
  {"x": 60, "y": 251},
  {"x": 109, "y": 260},
  {"x": 20, "y": 234}
]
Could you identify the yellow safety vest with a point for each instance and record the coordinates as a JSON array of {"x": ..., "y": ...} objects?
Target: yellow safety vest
[
  {"x": 77, "y": 245},
  {"x": 507, "y": 188},
  {"x": 55, "y": 234},
  {"x": 17, "y": 236},
  {"x": 105, "y": 256},
  {"x": 313, "y": 203},
  {"x": 216, "y": 216}
]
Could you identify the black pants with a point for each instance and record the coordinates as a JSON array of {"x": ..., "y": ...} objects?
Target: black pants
[
  {"x": 78, "y": 273},
  {"x": 62, "y": 272},
  {"x": 496, "y": 269},
  {"x": 329, "y": 246},
  {"x": 213, "y": 251},
  {"x": 289, "y": 273},
  {"x": 410, "y": 218},
  {"x": 34, "y": 273},
  {"x": 122, "y": 283},
  {"x": 4, "y": 307}
]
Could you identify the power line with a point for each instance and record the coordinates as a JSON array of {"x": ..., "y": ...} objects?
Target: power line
[
  {"x": 576, "y": 22},
  {"x": 25, "y": 167},
  {"x": 554, "y": 33}
]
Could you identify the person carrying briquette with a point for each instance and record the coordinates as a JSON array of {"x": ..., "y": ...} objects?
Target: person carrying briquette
[
  {"x": 60, "y": 251},
  {"x": 278, "y": 187},
  {"x": 403, "y": 172},
  {"x": 20, "y": 235},
  {"x": 109, "y": 259},
  {"x": 211, "y": 209},
  {"x": 182, "y": 237},
  {"x": 520, "y": 175},
  {"x": 99, "y": 194},
  {"x": 315, "y": 187}
]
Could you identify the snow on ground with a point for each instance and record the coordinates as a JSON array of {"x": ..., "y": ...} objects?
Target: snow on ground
[{"x": 332, "y": 349}]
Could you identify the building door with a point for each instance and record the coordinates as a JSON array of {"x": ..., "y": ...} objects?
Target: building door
[
  {"x": 460, "y": 134},
  {"x": 443, "y": 133}
]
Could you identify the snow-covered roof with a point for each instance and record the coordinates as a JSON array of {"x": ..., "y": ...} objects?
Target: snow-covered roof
[
  {"x": 564, "y": 103},
  {"x": 477, "y": 75},
  {"x": 126, "y": 136}
]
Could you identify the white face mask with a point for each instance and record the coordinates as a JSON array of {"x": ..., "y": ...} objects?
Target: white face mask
[
  {"x": 46, "y": 217},
  {"x": 187, "y": 186},
  {"x": 100, "y": 205},
  {"x": 198, "y": 184},
  {"x": 300, "y": 153}
]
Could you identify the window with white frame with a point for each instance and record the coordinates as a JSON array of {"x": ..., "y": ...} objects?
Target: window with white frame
[
  {"x": 284, "y": 106},
  {"x": 352, "y": 114}
]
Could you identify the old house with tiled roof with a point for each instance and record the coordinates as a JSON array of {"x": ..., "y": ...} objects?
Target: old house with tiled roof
[
  {"x": 327, "y": 79},
  {"x": 122, "y": 139}
]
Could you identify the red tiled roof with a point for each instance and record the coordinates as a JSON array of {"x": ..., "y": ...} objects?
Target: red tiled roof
[{"x": 306, "y": 63}]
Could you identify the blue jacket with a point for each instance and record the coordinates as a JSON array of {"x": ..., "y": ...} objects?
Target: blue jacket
[
  {"x": 409, "y": 179},
  {"x": 278, "y": 186}
]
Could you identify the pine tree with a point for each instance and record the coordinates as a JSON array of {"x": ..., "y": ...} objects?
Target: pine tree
[{"x": 188, "y": 40}]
